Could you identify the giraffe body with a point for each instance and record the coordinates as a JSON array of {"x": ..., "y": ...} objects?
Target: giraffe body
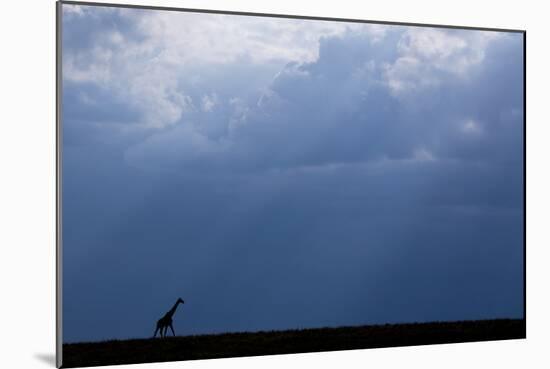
[{"x": 166, "y": 321}]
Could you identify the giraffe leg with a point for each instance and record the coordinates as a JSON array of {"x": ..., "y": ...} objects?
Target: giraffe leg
[
  {"x": 172, "y": 329},
  {"x": 158, "y": 330}
]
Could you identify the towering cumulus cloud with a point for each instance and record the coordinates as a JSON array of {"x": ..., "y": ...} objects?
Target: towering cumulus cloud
[{"x": 286, "y": 173}]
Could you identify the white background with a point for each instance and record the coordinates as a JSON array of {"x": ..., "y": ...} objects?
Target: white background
[{"x": 27, "y": 181}]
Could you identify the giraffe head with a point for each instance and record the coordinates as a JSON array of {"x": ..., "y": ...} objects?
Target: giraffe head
[{"x": 180, "y": 300}]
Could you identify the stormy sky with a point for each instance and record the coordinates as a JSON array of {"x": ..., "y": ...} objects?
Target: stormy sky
[{"x": 284, "y": 173}]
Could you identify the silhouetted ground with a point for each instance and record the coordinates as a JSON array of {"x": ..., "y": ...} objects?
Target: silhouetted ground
[{"x": 286, "y": 342}]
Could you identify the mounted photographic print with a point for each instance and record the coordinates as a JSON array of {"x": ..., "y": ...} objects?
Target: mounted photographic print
[{"x": 235, "y": 184}]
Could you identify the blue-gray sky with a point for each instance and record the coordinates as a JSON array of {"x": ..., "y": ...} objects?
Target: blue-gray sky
[{"x": 282, "y": 173}]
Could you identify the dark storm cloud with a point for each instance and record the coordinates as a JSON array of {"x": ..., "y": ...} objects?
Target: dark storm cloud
[{"x": 339, "y": 109}]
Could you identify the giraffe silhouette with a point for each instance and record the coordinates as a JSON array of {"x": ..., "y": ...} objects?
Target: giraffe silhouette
[{"x": 166, "y": 321}]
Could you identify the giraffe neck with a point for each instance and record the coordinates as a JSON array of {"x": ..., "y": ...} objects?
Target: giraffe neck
[{"x": 173, "y": 310}]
